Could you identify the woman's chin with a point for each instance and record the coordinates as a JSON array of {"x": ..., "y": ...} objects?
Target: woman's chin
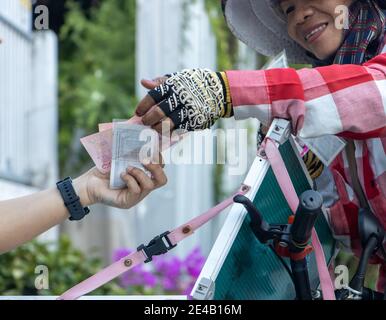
[{"x": 323, "y": 54}]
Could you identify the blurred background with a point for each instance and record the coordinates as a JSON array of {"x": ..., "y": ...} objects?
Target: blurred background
[{"x": 66, "y": 66}]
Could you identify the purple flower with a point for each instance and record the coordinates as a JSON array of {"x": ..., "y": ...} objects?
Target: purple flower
[
  {"x": 194, "y": 257},
  {"x": 194, "y": 271},
  {"x": 194, "y": 262},
  {"x": 149, "y": 279},
  {"x": 172, "y": 273},
  {"x": 120, "y": 253},
  {"x": 128, "y": 280},
  {"x": 195, "y": 253},
  {"x": 169, "y": 284},
  {"x": 166, "y": 266},
  {"x": 187, "y": 290},
  {"x": 174, "y": 267},
  {"x": 160, "y": 264}
]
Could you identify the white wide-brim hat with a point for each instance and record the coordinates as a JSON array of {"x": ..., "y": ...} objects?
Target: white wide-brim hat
[{"x": 260, "y": 25}]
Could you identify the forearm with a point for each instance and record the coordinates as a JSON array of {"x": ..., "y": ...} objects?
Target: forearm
[
  {"x": 346, "y": 100},
  {"x": 22, "y": 219}
]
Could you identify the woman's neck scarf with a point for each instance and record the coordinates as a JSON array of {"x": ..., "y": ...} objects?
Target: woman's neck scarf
[{"x": 364, "y": 38}]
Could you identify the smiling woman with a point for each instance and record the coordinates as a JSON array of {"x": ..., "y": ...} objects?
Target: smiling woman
[
  {"x": 313, "y": 24},
  {"x": 345, "y": 95}
]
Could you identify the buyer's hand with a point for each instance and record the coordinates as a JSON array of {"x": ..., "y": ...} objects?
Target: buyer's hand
[
  {"x": 93, "y": 186},
  {"x": 189, "y": 100}
]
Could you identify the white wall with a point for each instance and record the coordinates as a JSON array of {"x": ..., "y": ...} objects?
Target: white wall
[
  {"x": 43, "y": 116},
  {"x": 18, "y": 12},
  {"x": 28, "y": 104},
  {"x": 15, "y": 89}
]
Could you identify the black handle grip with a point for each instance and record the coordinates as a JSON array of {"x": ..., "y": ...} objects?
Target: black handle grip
[
  {"x": 259, "y": 227},
  {"x": 310, "y": 207},
  {"x": 254, "y": 214}
]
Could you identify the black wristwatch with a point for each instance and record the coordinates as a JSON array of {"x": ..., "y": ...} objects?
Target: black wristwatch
[{"x": 71, "y": 200}]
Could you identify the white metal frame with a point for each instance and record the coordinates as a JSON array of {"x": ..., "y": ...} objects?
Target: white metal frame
[{"x": 205, "y": 285}]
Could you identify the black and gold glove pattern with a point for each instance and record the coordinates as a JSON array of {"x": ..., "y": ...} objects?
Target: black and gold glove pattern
[{"x": 194, "y": 99}]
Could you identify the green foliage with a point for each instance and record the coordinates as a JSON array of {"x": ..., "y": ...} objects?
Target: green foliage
[
  {"x": 351, "y": 262},
  {"x": 227, "y": 44},
  {"x": 300, "y": 66},
  {"x": 97, "y": 73},
  {"x": 67, "y": 266}
]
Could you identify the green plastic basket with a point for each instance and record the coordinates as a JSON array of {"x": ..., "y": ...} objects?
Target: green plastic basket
[{"x": 250, "y": 270}]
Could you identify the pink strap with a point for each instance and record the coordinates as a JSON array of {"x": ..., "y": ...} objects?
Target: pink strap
[
  {"x": 138, "y": 257},
  {"x": 280, "y": 171},
  {"x": 321, "y": 263},
  {"x": 188, "y": 228},
  {"x": 104, "y": 276}
]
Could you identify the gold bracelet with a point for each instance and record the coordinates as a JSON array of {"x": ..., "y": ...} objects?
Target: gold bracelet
[{"x": 228, "y": 99}]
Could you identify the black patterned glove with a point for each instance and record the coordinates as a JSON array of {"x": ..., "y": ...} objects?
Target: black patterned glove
[{"x": 194, "y": 99}]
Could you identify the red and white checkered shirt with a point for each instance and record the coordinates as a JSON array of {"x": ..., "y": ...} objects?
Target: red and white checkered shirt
[{"x": 344, "y": 100}]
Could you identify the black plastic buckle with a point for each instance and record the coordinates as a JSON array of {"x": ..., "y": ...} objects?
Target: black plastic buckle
[{"x": 156, "y": 246}]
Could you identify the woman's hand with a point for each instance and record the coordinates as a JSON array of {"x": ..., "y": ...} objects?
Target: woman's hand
[
  {"x": 93, "y": 186},
  {"x": 152, "y": 84},
  {"x": 189, "y": 100},
  {"x": 24, "y": 218}
]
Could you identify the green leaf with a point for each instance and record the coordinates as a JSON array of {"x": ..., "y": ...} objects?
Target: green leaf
[{"x": 97, "y": 74}]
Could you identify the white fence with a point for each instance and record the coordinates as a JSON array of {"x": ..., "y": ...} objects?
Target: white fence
[{"x": 28, "y": 102}]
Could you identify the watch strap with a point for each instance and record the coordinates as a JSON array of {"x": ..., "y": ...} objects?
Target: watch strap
[{"x": 71, "y": 200}]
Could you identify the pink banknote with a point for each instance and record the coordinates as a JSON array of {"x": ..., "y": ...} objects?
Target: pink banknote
[
  {"x": 105, "y": 126},
  {"x": 99, "y": 145},
  {"x": 109, "y": 125}
]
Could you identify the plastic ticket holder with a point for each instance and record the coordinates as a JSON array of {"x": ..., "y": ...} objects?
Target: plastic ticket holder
[{"x": 239, "y": 267}]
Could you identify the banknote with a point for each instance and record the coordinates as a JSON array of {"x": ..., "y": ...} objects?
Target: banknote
[
  {"x": 132, "y": 144},
  {"x": 99, "y": 147},
  {"x": 105, "y": 126},
  {"x": 109, "y": 125}
]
